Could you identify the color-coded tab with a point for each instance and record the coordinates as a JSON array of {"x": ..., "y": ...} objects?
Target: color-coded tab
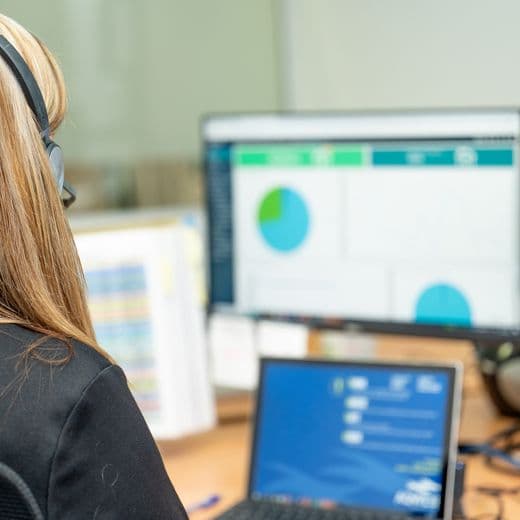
[
  {"x": 495, "y": 156},
  {"x": 347, "y": 156},
  {"x": 457, "y": 156},
  {"x": 259, "y": 155},
  {"x": 298, "y": 155},
  {"x": 413, "y": 157}
]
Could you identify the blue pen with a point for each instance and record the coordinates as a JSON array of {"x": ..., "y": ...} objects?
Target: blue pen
[{"x": 204, "y": 504}]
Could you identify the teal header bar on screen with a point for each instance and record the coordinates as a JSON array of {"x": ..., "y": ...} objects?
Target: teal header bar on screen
[
  {"x": 458, "y": 156},
  {"x": 492, "y": 157}
]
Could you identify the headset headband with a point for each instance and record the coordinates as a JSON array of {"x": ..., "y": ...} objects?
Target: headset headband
[{"x": 30, "y": 88}]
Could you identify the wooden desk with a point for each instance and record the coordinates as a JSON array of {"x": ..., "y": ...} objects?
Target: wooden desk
[
  {"x": 217, "y": 462},
  {"x": 212, "y": 463}
]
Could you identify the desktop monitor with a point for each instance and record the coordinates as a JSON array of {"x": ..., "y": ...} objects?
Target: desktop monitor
[{"x": 403, "y": 222}]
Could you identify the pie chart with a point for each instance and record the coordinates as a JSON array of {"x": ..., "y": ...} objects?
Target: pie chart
[
  {"x": 443, "y": 304},
  {"x": 283, "y": 219}
]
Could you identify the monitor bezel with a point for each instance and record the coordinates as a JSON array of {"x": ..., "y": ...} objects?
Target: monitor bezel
[
  {"x": 453, "y": 409},
  {"x": 478, "y": 333}
]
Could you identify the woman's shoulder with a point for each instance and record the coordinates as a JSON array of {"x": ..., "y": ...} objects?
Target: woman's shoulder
[
  {"x": 52, "y": 378},
  {"x": 75, "y": 360},
  {"x": 38, "y": 394}
]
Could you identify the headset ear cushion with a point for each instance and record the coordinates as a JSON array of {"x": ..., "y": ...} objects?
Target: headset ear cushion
[{"x": 56, "y": 159}]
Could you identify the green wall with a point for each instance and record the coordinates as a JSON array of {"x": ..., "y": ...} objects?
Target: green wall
[{"x": 141, "y": 73}]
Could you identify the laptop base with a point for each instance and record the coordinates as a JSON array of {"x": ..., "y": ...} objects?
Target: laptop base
[{"x": 267, "y": 510}]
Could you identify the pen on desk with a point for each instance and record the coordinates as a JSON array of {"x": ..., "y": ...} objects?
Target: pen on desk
[{"x": 206, "y": 503}]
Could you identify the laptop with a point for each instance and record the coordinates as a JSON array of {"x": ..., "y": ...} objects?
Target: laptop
[{"x": 352, "y": 440}]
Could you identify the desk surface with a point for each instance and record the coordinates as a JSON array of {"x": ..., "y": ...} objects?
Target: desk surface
[{"x": 216, "y": 462}]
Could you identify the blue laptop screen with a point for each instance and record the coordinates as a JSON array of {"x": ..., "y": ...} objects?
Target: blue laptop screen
[{"x": 352, "y": 435}]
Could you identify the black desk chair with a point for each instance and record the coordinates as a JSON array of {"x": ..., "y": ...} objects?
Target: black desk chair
[{"x": 16, "y": 500}]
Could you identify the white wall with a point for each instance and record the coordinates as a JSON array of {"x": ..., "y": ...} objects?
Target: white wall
[{"x": 343, "y": 54}]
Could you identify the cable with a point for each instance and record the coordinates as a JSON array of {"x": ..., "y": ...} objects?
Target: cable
[
  {"x": 502, "y": 453},
  {"x": 500, "y": 450}
]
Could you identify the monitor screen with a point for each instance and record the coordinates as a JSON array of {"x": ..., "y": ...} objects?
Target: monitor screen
[
  {"x": 394, "y": 221},
  {"x": 353, "y": 435}
]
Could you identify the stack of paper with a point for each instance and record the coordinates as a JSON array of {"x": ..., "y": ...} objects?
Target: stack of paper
[{"x": 147, "y": 314}]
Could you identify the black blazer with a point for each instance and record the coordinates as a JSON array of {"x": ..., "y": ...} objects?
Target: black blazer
[{"x": 75, "y": 435}]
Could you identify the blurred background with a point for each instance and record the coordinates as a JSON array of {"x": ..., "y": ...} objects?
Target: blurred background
[{"x": 141, "y": 75}]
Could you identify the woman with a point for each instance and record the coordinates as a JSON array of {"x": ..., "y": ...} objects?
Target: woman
[{"x": 68, "y": 423}]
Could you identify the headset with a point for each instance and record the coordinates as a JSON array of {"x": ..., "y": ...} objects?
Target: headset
[{"x": 34, "y": 98}]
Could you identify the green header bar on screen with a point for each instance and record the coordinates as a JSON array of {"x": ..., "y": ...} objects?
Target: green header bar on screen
[
  {"x": 341, "y": 155},
  {"x": 298, "y": 155}
]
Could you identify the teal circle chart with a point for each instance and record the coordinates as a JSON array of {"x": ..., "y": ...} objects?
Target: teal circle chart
[
  {"x": 443, "y": 304},
  {"x": 283, "y": 219}
]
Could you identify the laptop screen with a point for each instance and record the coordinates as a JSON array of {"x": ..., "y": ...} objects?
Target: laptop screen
[{"x": 355, "y": 435}]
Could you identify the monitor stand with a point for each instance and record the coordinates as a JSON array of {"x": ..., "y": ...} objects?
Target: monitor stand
[{"x": 500, "y": 368}]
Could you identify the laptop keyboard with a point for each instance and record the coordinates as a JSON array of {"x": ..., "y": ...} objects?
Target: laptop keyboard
[{"x": 263, "y": 510}]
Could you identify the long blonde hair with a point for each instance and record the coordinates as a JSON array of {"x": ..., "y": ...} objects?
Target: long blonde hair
[{"x": 42, "y": 286}]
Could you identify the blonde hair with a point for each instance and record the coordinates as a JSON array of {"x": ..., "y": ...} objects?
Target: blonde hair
[{"x": 42, "y": 286}]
